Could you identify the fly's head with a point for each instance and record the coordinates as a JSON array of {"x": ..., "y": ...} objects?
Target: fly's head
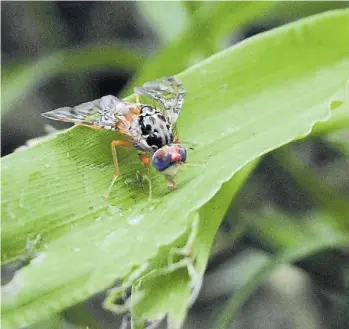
[{"x": 168, "y": 160}]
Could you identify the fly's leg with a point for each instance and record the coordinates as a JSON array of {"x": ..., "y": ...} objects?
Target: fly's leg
[
  {"x": 186, "y": 164},
  {"x": 171, "y": 183},
  {"x": 114, "y": 145},
  {"x": 145, "y": 159}
]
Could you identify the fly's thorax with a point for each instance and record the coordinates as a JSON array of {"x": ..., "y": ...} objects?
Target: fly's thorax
[
  {"x": 169, "y": 158},
  {"x": 154, "y": 128}
]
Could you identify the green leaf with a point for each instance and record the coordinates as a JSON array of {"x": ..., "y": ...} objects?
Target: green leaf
[
  {"x": 55, "y": 322},
  {"x": 292, "y": 10},
  {"x": 241, "y": 103},
  {"x": 177, "y": 282},
  {"x": 19, "y": 79},
  {"x": 169, "y": 295},
  {"x": 208, "y": 26},
  {"x": 339, "y": 119}
]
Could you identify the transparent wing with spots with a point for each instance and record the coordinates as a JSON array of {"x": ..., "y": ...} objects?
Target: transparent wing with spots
[
  {"x": 169, "y": 93},
  {"x": 102, "y": 112}
]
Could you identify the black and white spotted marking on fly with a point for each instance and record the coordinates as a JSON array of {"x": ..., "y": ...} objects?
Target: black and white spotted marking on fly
[{"x": 155, "y": 129}]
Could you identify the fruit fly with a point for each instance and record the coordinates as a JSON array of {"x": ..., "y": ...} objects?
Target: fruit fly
[{"x": 150, "y": 129}]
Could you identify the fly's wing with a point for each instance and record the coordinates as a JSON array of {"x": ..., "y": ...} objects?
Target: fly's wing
[
  {"x": 108, "y": 113},
  {"x": 101, "y": 112},
  {"x": 169, "y": 93}
]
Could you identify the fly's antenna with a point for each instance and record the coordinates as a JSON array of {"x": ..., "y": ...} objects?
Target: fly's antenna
[{"x": 186, "y": 164}]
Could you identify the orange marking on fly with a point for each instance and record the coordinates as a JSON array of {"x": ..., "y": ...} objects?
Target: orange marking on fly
[
  {"x": 176, "y": 140},
  {"x": 149, "y": 128},
  {"x": 145, "y": 159},
  {"x": 136, "y": 111}
]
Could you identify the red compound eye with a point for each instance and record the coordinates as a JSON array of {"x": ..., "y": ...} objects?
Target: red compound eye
[{"x": 176, "y": 157}]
